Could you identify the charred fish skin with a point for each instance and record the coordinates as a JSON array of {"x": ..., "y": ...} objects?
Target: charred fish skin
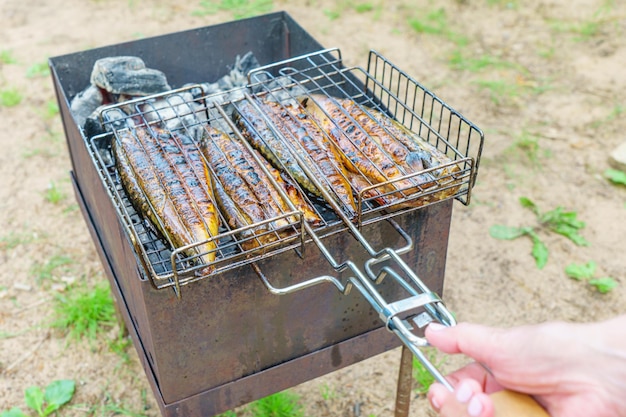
[
  {"x": 160, "y": 189},
  {"x": 377, "y": 154},
  {"x": 227, "y": 153},
  {"x": 430, "y": 155},
  {"x": 377, "y": 133},
  {"x": 261, "y": 137},
  {"x": 306, "y": 137},
  {"x": 294, "y": 194},
  {"x": 247, "y": 194},
  {"x": 230, "y": 179}
]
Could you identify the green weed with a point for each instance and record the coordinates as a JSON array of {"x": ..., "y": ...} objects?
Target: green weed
[
  {"x": 10, "y": 97},
  {"x": 435, "y": 22},
  {"x": 500, "y": 90},
  {"x": 6, "y": 57},
  {"x": 328, "y": 393},
  {"x": 557, "y": 220},
  {"x": 15, "y": 239},
  {"x": 357, "y": 6},
  {"x": 509, "y": 4},
  {"x": 84, "y": 312},
  {"x": 422, "y": 376},
  {"x": 239, "y": 8},
  {"x": 364, "y": 7},
  {"x": 47, "y": 270},
  {"x": 332, "y": 14},
  {"x": 40, "y": 69},
  {"x": 459, "y": 61},
  {"x": 54, "y": 194},
  {"x": 50, "y": 110},
  {"x": 527, "y": 144},
  {"x": 56, "y": 394},
  {"x": 588, "y": 29},
  {"x": 120, "y": 345},
  {"x": 616, "y": 176},
  {"x": 109, "y": 407},
  {"x": 586, "y": 272},
  {"x": 281, "y": 404}
]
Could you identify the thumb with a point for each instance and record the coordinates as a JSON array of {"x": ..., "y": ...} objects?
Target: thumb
[{"x": 474, "y": 340}]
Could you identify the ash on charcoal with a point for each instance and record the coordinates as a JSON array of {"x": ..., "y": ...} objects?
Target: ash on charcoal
[
  {"x": 128, "y": 75},
  {"x": 113, "y": 118},
  {"x": 85, "y": 103},
  {"x": 120, "y": 78},
  {"x": 176, "y": 112}
]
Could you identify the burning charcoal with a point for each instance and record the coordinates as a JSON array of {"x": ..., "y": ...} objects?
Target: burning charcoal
[
  {"x": 128, "y": 75},
  {"x": 284, "y": 90},
  {"x": 247, "y": 63},
  {"x": 199, "y": 91},
  {"x": 175, "y": 112},
  {"x": 114, "y": 119},
  {"x": 85, "y": 103}
]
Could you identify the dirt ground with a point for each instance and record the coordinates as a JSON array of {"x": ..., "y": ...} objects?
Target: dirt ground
[{"x": 544, "y": 80}]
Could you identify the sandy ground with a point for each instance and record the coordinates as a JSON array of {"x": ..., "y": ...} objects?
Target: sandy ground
[{"x": 548, "y": 132}]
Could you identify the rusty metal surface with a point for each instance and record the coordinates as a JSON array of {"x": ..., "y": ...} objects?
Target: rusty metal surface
[
  {"x": 405, "y": 383},
  {"x": 229, "y": 341}
]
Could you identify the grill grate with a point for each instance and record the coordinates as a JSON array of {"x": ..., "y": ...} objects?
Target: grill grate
[{"x": 382, "y": 87}]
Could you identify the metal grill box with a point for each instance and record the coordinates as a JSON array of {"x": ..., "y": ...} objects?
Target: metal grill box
[{"x": 227, "y": 340}]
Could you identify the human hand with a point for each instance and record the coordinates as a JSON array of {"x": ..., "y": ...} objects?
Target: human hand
[{"x": 571, "y": 369}]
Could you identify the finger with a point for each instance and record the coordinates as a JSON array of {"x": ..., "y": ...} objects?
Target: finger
[
  {"x": 478, "y": 373},
  {"x": 438, "y": 395},
  {"x": 467, "y": 400},
  {"x": 473, "y": 340}
]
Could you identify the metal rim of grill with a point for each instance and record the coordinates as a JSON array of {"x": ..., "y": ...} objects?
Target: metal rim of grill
[{"x": 383, "y": 87}]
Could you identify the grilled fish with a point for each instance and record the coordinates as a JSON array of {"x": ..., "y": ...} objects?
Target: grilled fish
[
  {"x": 372, "y": 149},
  {"x": 166, "y": 180},
  {"x": 245, "y": 192},
  {"x": 305, "y": 138},
  {"x": 259, "y": 134},
  {"x": 431, "y": 156}
]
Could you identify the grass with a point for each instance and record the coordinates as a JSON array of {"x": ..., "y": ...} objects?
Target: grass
[
  {"x": 54, "y": 194},
  {"x": 459, "y": 61},
  {"x": 327, "y": 392},
  {"x": 500, "y": 91},
  {"x": 590, "y": 28},
  {"x": 509, "y": 4},
  {"x": 15, "y": 239},
  {"x": 527, "y": 145},
  {"x": 83, "y": 312},
  {"x": 45, "y": 271},
  {"x": 616, "y": 113},
  {"x": 435, "y": 22},
  {"x": 6, "y": 57},
  {"x": 422, "y": 376},
  {"x": 281, "y": 404},
  {"x": 505, "y": 90},
  {"x": 10, "y": 97},
  {"x": 108, "y": 406},
  {"x": 239, "y": 9},
  {"x": 349, "y": 6},
  {"x": 40, "y": 69},
  {"x": 49, "y": 111}
]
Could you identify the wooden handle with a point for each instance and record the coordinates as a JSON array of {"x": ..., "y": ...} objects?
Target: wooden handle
[{"x": 513, "y": 404}]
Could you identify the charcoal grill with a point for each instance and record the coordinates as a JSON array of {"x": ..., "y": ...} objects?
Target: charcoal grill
[{"x": 213, "y": 339}]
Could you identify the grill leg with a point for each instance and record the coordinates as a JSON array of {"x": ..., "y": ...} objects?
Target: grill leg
[{"x": 405, "y": 383}]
